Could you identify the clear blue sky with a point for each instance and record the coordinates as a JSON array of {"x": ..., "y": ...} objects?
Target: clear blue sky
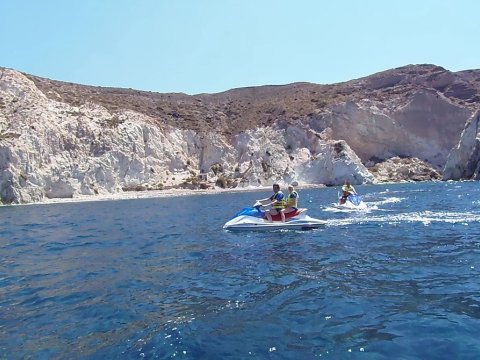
[{"x": 197, "y": 46}]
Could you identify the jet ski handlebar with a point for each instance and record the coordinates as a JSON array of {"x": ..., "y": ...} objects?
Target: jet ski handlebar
[{"x": 257, "y": 204}]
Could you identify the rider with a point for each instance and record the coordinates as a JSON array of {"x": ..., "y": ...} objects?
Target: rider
[
  {"x": 277, "y": 200},
  {"x": 347, "y": 189},
  {"x": 292, "y": 200}
]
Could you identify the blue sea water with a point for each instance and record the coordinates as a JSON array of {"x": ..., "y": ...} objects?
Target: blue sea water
[{"x": 160, "y": 278}]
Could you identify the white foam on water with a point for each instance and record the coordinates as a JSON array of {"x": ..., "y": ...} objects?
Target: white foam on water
[
  {"x": 389, "y": 200},
  {"x": 424, "y": 217},
  {"x": 335, "y": 208},
  {"x": 371, "y": 205}
]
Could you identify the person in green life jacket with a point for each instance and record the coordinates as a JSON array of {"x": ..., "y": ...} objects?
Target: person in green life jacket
[
  {"x": 291, "y": 202},
  {"x": 277, "y": 201},
  {"x": 347, "y": 189}
]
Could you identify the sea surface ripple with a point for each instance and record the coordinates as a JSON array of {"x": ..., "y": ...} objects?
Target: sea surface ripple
[{"x": 160, "y": 279}]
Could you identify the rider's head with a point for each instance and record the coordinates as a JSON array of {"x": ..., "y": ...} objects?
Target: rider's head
[{"x": 276, "y": 187}]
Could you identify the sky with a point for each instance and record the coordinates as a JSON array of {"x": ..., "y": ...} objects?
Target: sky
[{"x": 210, "y": 46}]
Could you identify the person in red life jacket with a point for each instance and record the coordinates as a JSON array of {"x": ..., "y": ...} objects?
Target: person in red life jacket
[
  {"x": 277, "y": 201},
  {"x": 291, "y": 202}
]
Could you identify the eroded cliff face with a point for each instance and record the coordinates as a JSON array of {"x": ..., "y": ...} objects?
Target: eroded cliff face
[
  {"x": 50, "y": 149},
  {"x": 464, "y": 159},
  {"x": 401, "y": 169},
  {"x": 60, "y": 140},
  {"x": 426, "y": 126}
]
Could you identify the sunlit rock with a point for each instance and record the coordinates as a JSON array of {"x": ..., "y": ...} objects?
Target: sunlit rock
[{"x": 464, "y": 159}]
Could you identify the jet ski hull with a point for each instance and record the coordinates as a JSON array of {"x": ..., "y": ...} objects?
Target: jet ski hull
[
  {"x": 354, "y": 202},
  {"x": 299, "y": 222},
  {"x": 351, "y": 206}
]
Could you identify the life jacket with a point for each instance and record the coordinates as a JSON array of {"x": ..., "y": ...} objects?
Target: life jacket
[
  {"x": 280, "y": 204},
  {"x": 292, "y": 199},
  {"x": 347, "y": 188}
]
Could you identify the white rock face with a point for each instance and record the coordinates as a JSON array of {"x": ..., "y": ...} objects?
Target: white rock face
[
  {"x": 424, "y": 127},
  {"x": 464, "y": 159},
  {"x": 296, "y": 154},
  {"x": 50, "y": 149}
]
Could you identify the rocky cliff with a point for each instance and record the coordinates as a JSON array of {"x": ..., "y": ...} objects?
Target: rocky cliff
[
  {"x": 464, "y": 159},
  {"x": 64, "y": 140}
]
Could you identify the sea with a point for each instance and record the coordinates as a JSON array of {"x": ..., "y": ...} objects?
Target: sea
[{"x": 159, "y": 278}]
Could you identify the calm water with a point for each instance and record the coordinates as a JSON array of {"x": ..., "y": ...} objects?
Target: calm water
[{"x": 159, "y": 279}]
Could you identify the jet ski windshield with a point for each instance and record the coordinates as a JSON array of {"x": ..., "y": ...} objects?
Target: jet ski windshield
[{"x": 251, "y": 211}]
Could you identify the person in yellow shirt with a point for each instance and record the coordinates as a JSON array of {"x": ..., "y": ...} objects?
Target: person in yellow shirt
[
  {"x": 291, "y": 204},
  {"x": 347, "y": 189}
]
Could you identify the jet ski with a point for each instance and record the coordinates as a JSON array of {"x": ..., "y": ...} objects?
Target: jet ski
[
  {"x": 353, "y": 202},
  {"x": 254, "y": 218}
]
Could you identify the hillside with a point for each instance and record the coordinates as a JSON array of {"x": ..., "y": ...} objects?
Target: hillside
[
  {"x": 64, "y": 140},
  {"x": 237, "y": 110}
]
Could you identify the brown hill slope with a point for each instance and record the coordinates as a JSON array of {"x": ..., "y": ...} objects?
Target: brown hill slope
[{"x": 236, "y": 110}]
